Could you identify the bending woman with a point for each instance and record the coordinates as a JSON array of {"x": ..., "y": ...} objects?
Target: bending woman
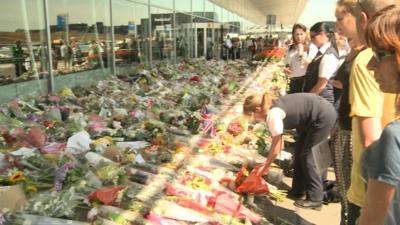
[{"x": 313, "y": 118}]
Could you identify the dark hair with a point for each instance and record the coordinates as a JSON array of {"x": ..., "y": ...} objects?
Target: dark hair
[
  {"x": 323, "y": 27},
  {"x": 320, "y": 27},
  {"x": 295, "y": 27}
]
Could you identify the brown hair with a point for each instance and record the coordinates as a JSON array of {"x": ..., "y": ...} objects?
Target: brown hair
[
  {"x": 303, "y": 28},
  {"x": 252, "y": 102},
  {"x": 348, "y": 5},
  {"x": 383, "y": 33}
]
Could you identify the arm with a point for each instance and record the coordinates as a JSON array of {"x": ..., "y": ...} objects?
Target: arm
[
  {"x": 337, "y": 84},
  {"x": 370, "y": 129},
  {"x": 287, "y": 71},
  {"x": 379, "y": 197},
  {"x": 276, "y": 147},
  {"x": 321, "y": 84},
  {"x": 327, "y": 69}
]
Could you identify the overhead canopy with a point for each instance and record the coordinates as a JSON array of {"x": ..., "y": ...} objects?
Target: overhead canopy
[{"x": 287, "y": 11}]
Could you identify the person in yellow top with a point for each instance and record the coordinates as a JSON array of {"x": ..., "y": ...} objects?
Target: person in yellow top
[{"x": 370, "y": 108}]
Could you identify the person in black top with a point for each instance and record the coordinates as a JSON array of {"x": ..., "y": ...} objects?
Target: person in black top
[
  {"x": 341, "y": 136},
  {"x": 313, "y": 118},
  {"x": 324, "y": 65}
]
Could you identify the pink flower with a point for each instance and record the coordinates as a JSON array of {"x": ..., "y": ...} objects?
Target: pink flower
[{"x": 54, "y": 99}]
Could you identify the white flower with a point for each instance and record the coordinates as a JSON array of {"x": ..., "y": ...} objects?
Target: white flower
[{"x": 92, "y": 213}]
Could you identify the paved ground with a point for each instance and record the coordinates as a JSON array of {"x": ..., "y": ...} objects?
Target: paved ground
[{"x": 286, "y": 213}]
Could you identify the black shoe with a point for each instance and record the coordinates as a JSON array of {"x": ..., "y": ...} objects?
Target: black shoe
[
  {"x": 307, "y": 204},
  {"x": 294, "y": 196}
]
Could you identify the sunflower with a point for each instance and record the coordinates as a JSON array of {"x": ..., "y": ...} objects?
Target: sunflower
[
  {"x": 17, "y": 177},
  {"x": 31, "y": 188}
]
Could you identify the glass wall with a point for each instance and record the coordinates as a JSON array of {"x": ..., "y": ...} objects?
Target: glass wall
[
  {"x": 80, "y": 38},
  {"x": 168, "y": 4},
  {"x": 198, "y": 7},
  {"x": 92, "y": 39},
  {"x": 163, "y": 35},
  {"x": 22, "y": 48},
  {"x": 183, "y": 6},
  {"x": 131, "y": 32}
]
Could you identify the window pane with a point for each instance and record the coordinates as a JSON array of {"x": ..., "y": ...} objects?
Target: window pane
[
  {"x": 225, "y": 15},
  {"x": 164, "y": 3},
  {"x": 183, "y": 5},
  {"x": 162, "y": 35},
  {"x": 131, "y": 21},
  {"x": 209, "y": 10},
  {"x": 81, "y": 39},
  {"x": 22, "y": 46},
  {"x": 184, "y": 35},
  {"x": 218, "y": 12},
  {"x": 198, "y": 7}
]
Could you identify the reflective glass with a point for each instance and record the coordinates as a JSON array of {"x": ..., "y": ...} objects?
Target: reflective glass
[
  {"x": 183, "y": 35},
  {"x": 225, "y": 15},
  {"x": 164, "y": 3},
  {"x": 22, "y": 48},
  {"x": 183, "y": 5},
  {"x": 131, "y": 25},
  {"x": 218, "y": 13},
  {"x": 198, "y": 7},
  {"x": 80, "y": 38},
  {"x": 163, "y": 37},
  {"x": 209, "y": 10}
]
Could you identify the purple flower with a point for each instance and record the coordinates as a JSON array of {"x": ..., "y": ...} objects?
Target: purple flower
[
  {"x": 33, "y": 118},
  {"x": 2, "y": 219},
  {"x": 61, "y": 174}
]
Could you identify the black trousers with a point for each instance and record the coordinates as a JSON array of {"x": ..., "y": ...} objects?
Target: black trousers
[
  {"x": 296, "y": 85},
  {"x": 354, "y": 213},
  {"x": 306, "y": 177}
]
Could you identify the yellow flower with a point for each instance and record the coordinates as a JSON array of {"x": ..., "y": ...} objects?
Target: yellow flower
[
  {"x": 17, "y": 177},
  {"x": 104, "y": 141},
  {"x": 67, "y": 92},
  {"x": 31, "y": 188}
]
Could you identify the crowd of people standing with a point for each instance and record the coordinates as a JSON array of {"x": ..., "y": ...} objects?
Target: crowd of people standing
[{"x": 346, "y": 81}]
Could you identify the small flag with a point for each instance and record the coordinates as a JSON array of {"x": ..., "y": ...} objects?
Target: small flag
[{"x": 208, "y": 124}]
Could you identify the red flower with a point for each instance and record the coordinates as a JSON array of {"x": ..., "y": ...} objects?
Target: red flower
[
  {"x": 48, "y": 123},
  {"x": 195, "y": 78},
  {"x": 107, "y": 196}
]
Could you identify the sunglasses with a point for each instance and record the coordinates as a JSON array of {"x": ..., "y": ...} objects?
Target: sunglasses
[{"x": 379, "y": 55}]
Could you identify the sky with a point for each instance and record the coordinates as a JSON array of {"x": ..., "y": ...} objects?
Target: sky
[
  {"x": 318, "y": 10},
  {"x": 80, "y": 11}
]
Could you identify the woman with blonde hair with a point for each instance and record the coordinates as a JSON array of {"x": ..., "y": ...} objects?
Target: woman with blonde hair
[
  {"x": 381, "y": 160},
  {"x": 313, "y": 118},
  {"x": 342, "y": 138}
]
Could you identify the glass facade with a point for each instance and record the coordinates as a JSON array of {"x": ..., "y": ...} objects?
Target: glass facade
[
  {"x": 46, "y": 45},
  {"x": 80, "y": 39}
]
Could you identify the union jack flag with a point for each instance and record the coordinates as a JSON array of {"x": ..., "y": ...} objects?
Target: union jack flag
[{"x": 208, "y": 124}]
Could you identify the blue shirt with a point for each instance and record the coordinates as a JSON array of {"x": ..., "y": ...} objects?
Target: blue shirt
[{"x": 382, "y": 163}]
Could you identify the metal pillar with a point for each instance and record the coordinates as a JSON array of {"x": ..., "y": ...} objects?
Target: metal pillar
[
  {"x": 174, "y": 55},
  {"x": 150, "y": 37},
  {"x": 112, "y": 41},
  {"x": 50, "y": 78},
  {"x": 195, "y": 40},
  {"x": 205, "y": 42}
]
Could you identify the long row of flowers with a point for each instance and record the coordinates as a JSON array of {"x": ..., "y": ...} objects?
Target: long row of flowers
[{"x": 147, "y": 147}]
